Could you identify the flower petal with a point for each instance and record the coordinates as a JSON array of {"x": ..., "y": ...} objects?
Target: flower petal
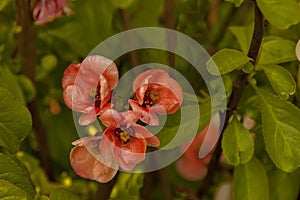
[
  {"x": 154, "y": 76},
  {"x": 191, "y": 169},
  {"x": 143, "y": 132},
  {"x": 87, "y": 118},
  {"x": 130, "y": 154},
  {"x": 86, "y": 166},
  {"x": 70, "y": 75},
  {"x": 95, "y": 65}
]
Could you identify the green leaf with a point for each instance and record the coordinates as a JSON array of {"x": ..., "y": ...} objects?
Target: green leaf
[
  {"x": 15, "y": 121},
  {"x": 9, "y": 81},
  {"x": 14, "y": 180},
  {"x": 250, "y": 181},
  {"x": 226, "y": 60},
  {"x": 37, "y": 174},
  {"x": 122, "y": 3},
  {"x": 237, "y": 144},
  {"x": 128, "y": 186},
  {"x": 277, "y": 51},
  {"x": 281, "y": 14},
  {"x": 243, "y": 35},
  {"x": 284, "y": 186},
  {"x": 62, "y": 193},
  {"x": 27, "y": 87},
  {"x": 280, "y": 122},
  {"x": 281, "y": 80},
  {"x": 237, "y": 3}
]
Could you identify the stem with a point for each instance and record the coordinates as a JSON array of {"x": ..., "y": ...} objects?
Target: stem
[
  {"x": 104, "y": 189},
  {"x": 166, "y": 189},
  {"x": 126, "y": 24},
  {"x": 26, "y": 45},
  {"x": 170, "y": 21},
  {"x": 239, "y": 84}
]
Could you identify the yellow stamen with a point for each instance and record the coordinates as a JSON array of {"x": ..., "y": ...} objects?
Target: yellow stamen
[{"x": 124, "y": 136}]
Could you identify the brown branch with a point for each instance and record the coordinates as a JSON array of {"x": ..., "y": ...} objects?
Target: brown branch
[
  {"x": 134, "y": 59},
  {"x": 26, "y": 42},
  {"x": 239, "y": 84},
  {"x": 104, "y": 189},
  {"x": 170, "y": 21},
  {"x": 166, "y": 189}
]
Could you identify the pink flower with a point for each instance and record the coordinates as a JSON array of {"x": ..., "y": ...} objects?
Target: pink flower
[
  {"x": 190, "y": 166},
  {"x": 87, "y": 87},
  {"x": 126, "y": 139},
  {"x": 87, "y": 166},
  {"x": 46, "y": 11},
  {"x": 155, "y": 92}
]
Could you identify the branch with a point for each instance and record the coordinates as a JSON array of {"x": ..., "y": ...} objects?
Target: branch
[
  {"x": 239, "y": 84},
  {"x": 104, "y": 189},
  {"x": 126, "y": 24},
  {"x": 170, "y": 21},
  {"x": 26, "y": 45}
]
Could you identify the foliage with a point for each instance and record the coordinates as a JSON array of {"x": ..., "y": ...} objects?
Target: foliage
[{"x": 260, "y": 162}]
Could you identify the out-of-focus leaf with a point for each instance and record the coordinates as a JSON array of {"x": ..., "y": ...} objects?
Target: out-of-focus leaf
[
  {"x": 281, "y": 14},
  {"x": 4, "y": 3},
  {"x": 277, "y": 51},
  {"x": 237, "y": 3},
  {"x": 62, "y": 193},
  {"x": 243, "y": 35},
  {"x": 14, "y": 180},
  {"x": 61, "y": 133},
  {"x": 280, "y": 122},
  {"x": 141, "y": 18},
  {"x": 250, "y": 181},
  {"x": 283, "y": 186},
  {"x": 122, "y": 3},
  {"x": 37, "y": 175},
  {"x": 9, "y": 81},
  {"x": 226, "y": 60},
  {"x": 173, "y": 133},
  {"x": 281, "y": 80},
  {"x": 27, "y": 87},
  {"x": 48, "y": 64},
  {"x": 15, "y": 121},
  {"x": 237, "y": 144},
  {"x": 92, "y": 24},
  {"x": 128, "y": 186}
]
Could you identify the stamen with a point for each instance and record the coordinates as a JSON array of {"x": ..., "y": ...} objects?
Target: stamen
[
  {"x": 97, "y": 97},
  {"x": 150, "y": 97},
  {"x": 123, "y": 134}
]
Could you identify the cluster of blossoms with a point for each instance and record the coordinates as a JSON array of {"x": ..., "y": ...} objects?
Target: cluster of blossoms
[
  {"x": 46, "y": 11},
  {"x": 88, "y": 89}
]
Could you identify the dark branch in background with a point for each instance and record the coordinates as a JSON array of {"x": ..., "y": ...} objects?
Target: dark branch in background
[
  {"x": 170, "y": 21},
  {"x": 239, "y": 84},
  {"x": 104, "y": 189},
  {"x": 134, "y": 59},
  {"x": 26, "y": 45},
  {"x": 216, "y": 31}
]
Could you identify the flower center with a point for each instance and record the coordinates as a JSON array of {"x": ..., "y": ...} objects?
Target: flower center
[
  {"x": 150, "y": 97},
  {"x": 96, "y": 96},
  {"x": 123, "y": 134}
]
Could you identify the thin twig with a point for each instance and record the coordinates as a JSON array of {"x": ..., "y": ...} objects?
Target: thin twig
[
  {"x": 26, "y": 41},
  {"x": 239, "y": 84}
]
